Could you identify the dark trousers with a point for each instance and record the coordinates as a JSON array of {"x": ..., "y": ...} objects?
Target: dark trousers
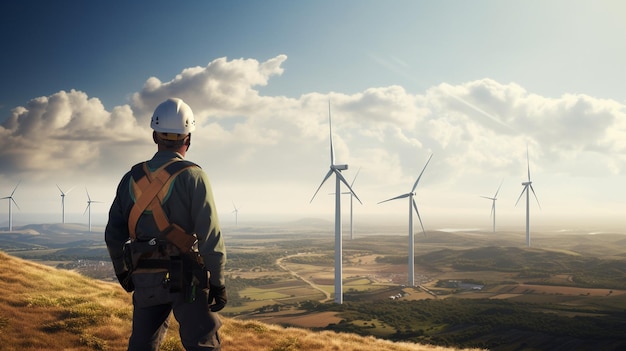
[{"x": 198, "y": 325}]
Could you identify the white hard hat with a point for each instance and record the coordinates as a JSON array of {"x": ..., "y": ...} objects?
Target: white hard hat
[{"x": 173, "y": 116}]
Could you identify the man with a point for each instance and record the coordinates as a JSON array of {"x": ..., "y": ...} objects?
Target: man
[{"x": 165, "y": 242}]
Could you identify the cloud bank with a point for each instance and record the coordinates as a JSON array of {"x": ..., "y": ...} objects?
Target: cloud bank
[{"x": 274, "y": 147}]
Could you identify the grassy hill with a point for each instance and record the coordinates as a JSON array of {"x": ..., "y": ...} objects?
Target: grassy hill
[{"x": 42, "y": 308}]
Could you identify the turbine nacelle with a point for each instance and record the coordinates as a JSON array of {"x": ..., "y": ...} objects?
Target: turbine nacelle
[
  {"x": 526, "y": 183},
  {"x": 339, "y": 167}
]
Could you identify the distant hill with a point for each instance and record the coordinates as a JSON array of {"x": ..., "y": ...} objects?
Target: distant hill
[
  {"x": 42, "y": 308},
  {"x": 586, "y": 271},
  {"x": 37, "y": 236},
  {"x": 311, "y": 222}
]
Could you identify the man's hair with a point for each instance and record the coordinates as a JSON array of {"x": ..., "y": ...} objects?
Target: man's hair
[{"x": 171, "y": 140}]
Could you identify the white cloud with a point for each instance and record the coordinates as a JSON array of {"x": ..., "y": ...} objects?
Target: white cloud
[
  {"x": 222, "y": 88},
  {"x": 63, "y": 132}
]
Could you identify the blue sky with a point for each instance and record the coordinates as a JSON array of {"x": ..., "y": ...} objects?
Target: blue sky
[
  {"x": 108, "y": 49},
  {"x": 473, "y": 83}
]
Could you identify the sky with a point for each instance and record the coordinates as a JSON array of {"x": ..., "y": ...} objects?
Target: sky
[{"x": 490, "y": 89}]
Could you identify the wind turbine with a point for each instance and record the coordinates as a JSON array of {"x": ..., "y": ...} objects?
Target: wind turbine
[
  {"x": 493, "y": 205},
  {"x": 63, "y": 202},
  {"x": 528, "y": 185},
  {"x": 89, "y": 202},
  {"x": 235, "y": 211},
  {"x": 11, "y": 202},
  {"x": 351, "y": 201},
  {"x": 412, "y": 205},
  {"x": 339, "y": 178}
]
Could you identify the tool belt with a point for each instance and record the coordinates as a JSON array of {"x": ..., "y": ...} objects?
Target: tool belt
[
  {"x": 150, "y": 253},
  {"x": 159, "y": 269}
]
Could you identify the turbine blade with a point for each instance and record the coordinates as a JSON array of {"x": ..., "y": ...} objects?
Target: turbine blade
[
  {"x": 18, "y": 184},
  {"x": 533, "y": 190},
  {"x": 330, "y": 172},
  {"x": 330, "y": 127},
  {"x": 420, "y": 176},
  {"x": 493, "y": 209},
  {"x": 395, "y": 198},
  {"x": 497, "y": 191},
  {"x": 528, "y": 162},
  {"x": 520, "y": 195},
  {"x": 356, "y": 175},
  {"x": 16, "y": 205},
  {"x": 493, "y": 203},
  {"x": 418, "y": 216},
  {"x": 88, "y": 197},
  {"x": 60, "y": 189},
  {"x": 86, "y": 208},
  {"x": 344, "y": 181}
]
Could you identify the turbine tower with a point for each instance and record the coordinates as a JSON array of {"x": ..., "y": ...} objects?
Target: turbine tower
[
  {"x": 339, "y": 178},
  {"x": 89, "y": 202},
  {"x": 63, "y": 203},
  {"x": 412, "y": 205},
  {"x": 528, "y": 185},
  {"x": 11, "y": 202},
  {"x": 493, "y": 205}
]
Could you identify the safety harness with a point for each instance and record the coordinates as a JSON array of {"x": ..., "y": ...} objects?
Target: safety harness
[{"x": 150, "y": 190}]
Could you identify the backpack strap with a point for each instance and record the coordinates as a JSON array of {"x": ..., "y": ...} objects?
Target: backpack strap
[{"x": 147, "y": 191}]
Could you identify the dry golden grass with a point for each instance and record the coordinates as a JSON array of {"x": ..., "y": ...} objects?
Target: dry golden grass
[{"x": 42, "y": 308}]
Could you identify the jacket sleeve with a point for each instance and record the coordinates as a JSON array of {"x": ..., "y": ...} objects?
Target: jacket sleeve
[
  {"x": 116, "y": 232},
  {"x": 207, "y": 227}
]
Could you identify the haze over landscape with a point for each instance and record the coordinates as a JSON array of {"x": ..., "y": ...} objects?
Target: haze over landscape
[{"x": 473, "y": 83}]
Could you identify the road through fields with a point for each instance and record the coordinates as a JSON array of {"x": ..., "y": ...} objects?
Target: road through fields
[{"x": 279, "y": 263}]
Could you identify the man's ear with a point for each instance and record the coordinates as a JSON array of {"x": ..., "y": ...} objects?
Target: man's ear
[
  {"x": 188, "y": 141},
  {"x": 154, "y": 137}
]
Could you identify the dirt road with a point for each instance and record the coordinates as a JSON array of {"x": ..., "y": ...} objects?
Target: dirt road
[{"x": 279, "y": 263}]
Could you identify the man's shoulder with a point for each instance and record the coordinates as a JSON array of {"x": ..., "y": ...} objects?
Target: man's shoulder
[
  {"x": 190, "y": 168},
  {"x": 172, "y": 167},
  {"x": 179, "y": 165}
]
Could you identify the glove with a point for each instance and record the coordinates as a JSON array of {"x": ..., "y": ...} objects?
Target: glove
[
  {"x": 217, "y": 298},
  {"x": 125, "y": 281}
]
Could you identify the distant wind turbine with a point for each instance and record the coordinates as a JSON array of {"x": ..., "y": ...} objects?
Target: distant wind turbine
[
  {"x": 351, "y": 201},
  {"x": 412, "y": 205},
  {"x": 528, "y": 185},
  {"x": 89, "y": 202},
  {"x": 63, "y": 202},
  {"x": 236, "y": 212},
  {"x": 339, "y": 178},
  {"x": 11, "y": 202},
  {"x": 493, "y": 205}
]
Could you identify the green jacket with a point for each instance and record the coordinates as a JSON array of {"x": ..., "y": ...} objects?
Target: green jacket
[{"x": 189, "y": 204}]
